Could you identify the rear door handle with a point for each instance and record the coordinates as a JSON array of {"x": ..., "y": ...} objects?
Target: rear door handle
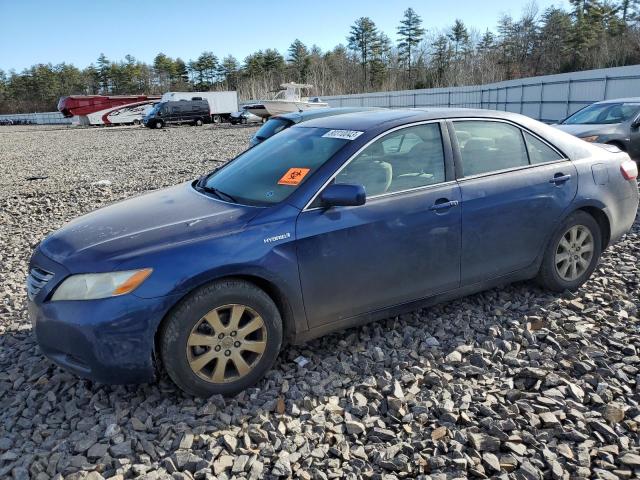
[
  {"x": 443, "y": 204},
  {"x": 559, "y": 178}
]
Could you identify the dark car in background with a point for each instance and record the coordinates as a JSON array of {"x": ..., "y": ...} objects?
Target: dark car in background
[
  {"x": 282, "y": 122},
  {"x": 329, "y": 224},
  {"x": 194, "y": 112},
  {"x": 615, "y": 122}
]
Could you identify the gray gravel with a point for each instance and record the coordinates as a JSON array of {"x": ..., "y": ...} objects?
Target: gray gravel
[{"x": 513, "y": 382}]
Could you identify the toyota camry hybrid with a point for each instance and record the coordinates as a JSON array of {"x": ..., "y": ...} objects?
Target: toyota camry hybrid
[{"x": 329, "y": 224}]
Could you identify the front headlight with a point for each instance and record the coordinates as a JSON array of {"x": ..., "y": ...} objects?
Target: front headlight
[
  {"x": 91, "y": 286},
  {"x": 590, "y": 138}
]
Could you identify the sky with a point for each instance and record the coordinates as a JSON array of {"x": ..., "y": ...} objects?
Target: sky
[{"x": 73, "y": 31}]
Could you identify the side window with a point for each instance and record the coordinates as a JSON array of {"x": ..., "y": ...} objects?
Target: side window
[
  {"x": 488, "y": 146},
  {"x": 540, "y": 152},
  {"x": 389, "y": 165}
]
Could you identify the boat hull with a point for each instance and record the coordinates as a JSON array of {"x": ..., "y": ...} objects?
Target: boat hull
[{"x": 276, "y": 107}]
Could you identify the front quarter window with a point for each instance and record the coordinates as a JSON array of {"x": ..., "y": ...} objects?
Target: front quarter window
[{"x": 272, "y": 170}]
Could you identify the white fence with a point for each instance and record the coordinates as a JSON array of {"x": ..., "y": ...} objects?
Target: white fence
[
  {"x": 43, "y": 118},
  {"x": 548, "y": 98}
]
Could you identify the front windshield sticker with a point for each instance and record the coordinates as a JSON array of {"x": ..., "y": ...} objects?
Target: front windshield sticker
[
  {"x": 293, "y": 176},
  {"x": 343, "y": 134}
]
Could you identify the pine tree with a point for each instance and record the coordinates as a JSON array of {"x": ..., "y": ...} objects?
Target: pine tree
[
  {"x": 104, "y": 66},
  {"x": 299, "y": 60},
  {"x": 362, "y": 39},
  {"x": 459, "y": 35},
  {"x": 411, "y": 34}
]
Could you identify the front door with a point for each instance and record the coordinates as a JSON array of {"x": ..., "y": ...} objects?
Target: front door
[
  {"x": 402, "y": 245},
  {"x": 515, "y": 189}
]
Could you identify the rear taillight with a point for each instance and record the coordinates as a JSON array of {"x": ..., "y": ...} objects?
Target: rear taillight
[{"x": 629, "y": 169}]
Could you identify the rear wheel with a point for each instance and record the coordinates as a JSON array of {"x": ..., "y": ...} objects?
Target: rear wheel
[
  {"x": 198, "y": 122},
  {"x": 136, "y": 122},
  {"x": 217, "y": 119},
  {"x": 573, "y": 253},
  {"x": 221, "y": 339},
  {"x": 158, "y": 124}
]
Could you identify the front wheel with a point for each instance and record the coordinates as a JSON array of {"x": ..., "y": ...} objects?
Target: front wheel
[
  {"x": 158, "y": 124},
  {"x": 221, "y": 339},
  {"x": 217, "y": 119},
  {"x": 572, "y": 254}
]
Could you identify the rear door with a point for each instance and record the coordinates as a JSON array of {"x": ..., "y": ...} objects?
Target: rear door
[{"x": 515, "y": 189}]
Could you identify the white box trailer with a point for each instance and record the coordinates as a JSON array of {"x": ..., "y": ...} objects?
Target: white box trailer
[{"x": 221, "y": 104}]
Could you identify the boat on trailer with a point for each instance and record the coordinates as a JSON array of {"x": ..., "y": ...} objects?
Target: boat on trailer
[{"x": 288, "y": 99}]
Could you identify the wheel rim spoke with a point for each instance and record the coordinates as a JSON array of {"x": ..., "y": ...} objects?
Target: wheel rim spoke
[
  {"x": 236, "y": 315},
  {"x": 562, "y": 257},
  {"x": 251, "y": 327},
  {"x": 564, "y": 243},
  {"x": 213, "y": 319},
  {"x": 201, "y": 361},
  {"x": 256, "y": 347},
  {"x": 219, "y": 371},
  {"x": 199, "y": 340},
  {"x": 564, "y": 268},
  {"x": 241, "y": 365}
]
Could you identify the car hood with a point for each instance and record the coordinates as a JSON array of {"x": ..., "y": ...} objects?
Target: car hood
[
  {"x": 150, "y": 222},
  {"x": 583, "y": 130}
]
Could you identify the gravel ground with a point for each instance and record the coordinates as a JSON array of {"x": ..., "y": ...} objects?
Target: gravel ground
[{"x": 510, "y": 383}]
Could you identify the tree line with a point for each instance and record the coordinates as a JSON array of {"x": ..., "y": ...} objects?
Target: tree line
[{"x": 590, "y": 34}]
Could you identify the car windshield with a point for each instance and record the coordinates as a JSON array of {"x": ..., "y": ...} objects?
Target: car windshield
[
  {"x": 272, "y": 127},
  {"x": 604, "y": 113},
  {"x": 272, "y": 170}
]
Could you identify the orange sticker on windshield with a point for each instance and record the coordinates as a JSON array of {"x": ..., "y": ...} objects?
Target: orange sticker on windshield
[{"x": 293, "y": 176}]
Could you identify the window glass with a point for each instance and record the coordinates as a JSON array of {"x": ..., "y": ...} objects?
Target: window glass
[
  {"x": 269, "y": 172},
  {"x": 604, "y": 113},
  {"x": 488, "y": 146},
  {"x": 540, "y": 152},
  {"x": 408, "y": 158}
]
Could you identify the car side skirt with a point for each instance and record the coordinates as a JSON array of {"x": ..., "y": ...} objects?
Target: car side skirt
[{"x": 395, "y": 310}]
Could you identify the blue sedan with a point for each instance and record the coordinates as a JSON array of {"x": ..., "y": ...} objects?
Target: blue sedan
[{"x": 329, "y": 224}]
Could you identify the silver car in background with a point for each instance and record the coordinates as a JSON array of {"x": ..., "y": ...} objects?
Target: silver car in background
[{"x": 615, "y": 122}]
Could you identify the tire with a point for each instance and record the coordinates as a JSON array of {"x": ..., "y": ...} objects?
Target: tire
[
  {"x": 243, "y": 121},
  {"x": 187, "y": 323},
  {"x": 198, "y": 122},
  {"x": 562, "y": 251},
  {"x": 136, "y": 122},
  {"x": 158, "y": 124}
]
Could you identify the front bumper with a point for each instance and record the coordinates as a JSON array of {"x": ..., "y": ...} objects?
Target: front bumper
[{"x": 108, "y": 340}]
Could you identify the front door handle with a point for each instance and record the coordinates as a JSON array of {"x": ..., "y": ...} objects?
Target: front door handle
[
  {"x": 560, "y": 178},
  {"x": 443, "y": 204}
]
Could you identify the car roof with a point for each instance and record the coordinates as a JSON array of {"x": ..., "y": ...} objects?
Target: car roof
[
  {"x": 621, "y": 100},
  {"x": 364, "y": 120},
  {"x": 385, "y": 119},
  {"x": 306, "y": 115}
]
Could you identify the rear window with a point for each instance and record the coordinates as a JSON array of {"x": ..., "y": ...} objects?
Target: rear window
[
  {"x": 488, "y": 146},
  {"x": 271, "y": 127}
]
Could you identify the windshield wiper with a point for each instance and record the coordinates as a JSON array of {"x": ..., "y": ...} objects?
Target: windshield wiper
[{"x": 218, "y": 193}]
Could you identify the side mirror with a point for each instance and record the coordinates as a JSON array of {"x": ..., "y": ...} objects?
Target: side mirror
[{"x": 343, "y": 195}]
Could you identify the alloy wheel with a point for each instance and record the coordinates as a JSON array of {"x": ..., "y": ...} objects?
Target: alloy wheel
[
  {"x": 227, "y": 343},
  {"x": 574, "y": 253}
]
